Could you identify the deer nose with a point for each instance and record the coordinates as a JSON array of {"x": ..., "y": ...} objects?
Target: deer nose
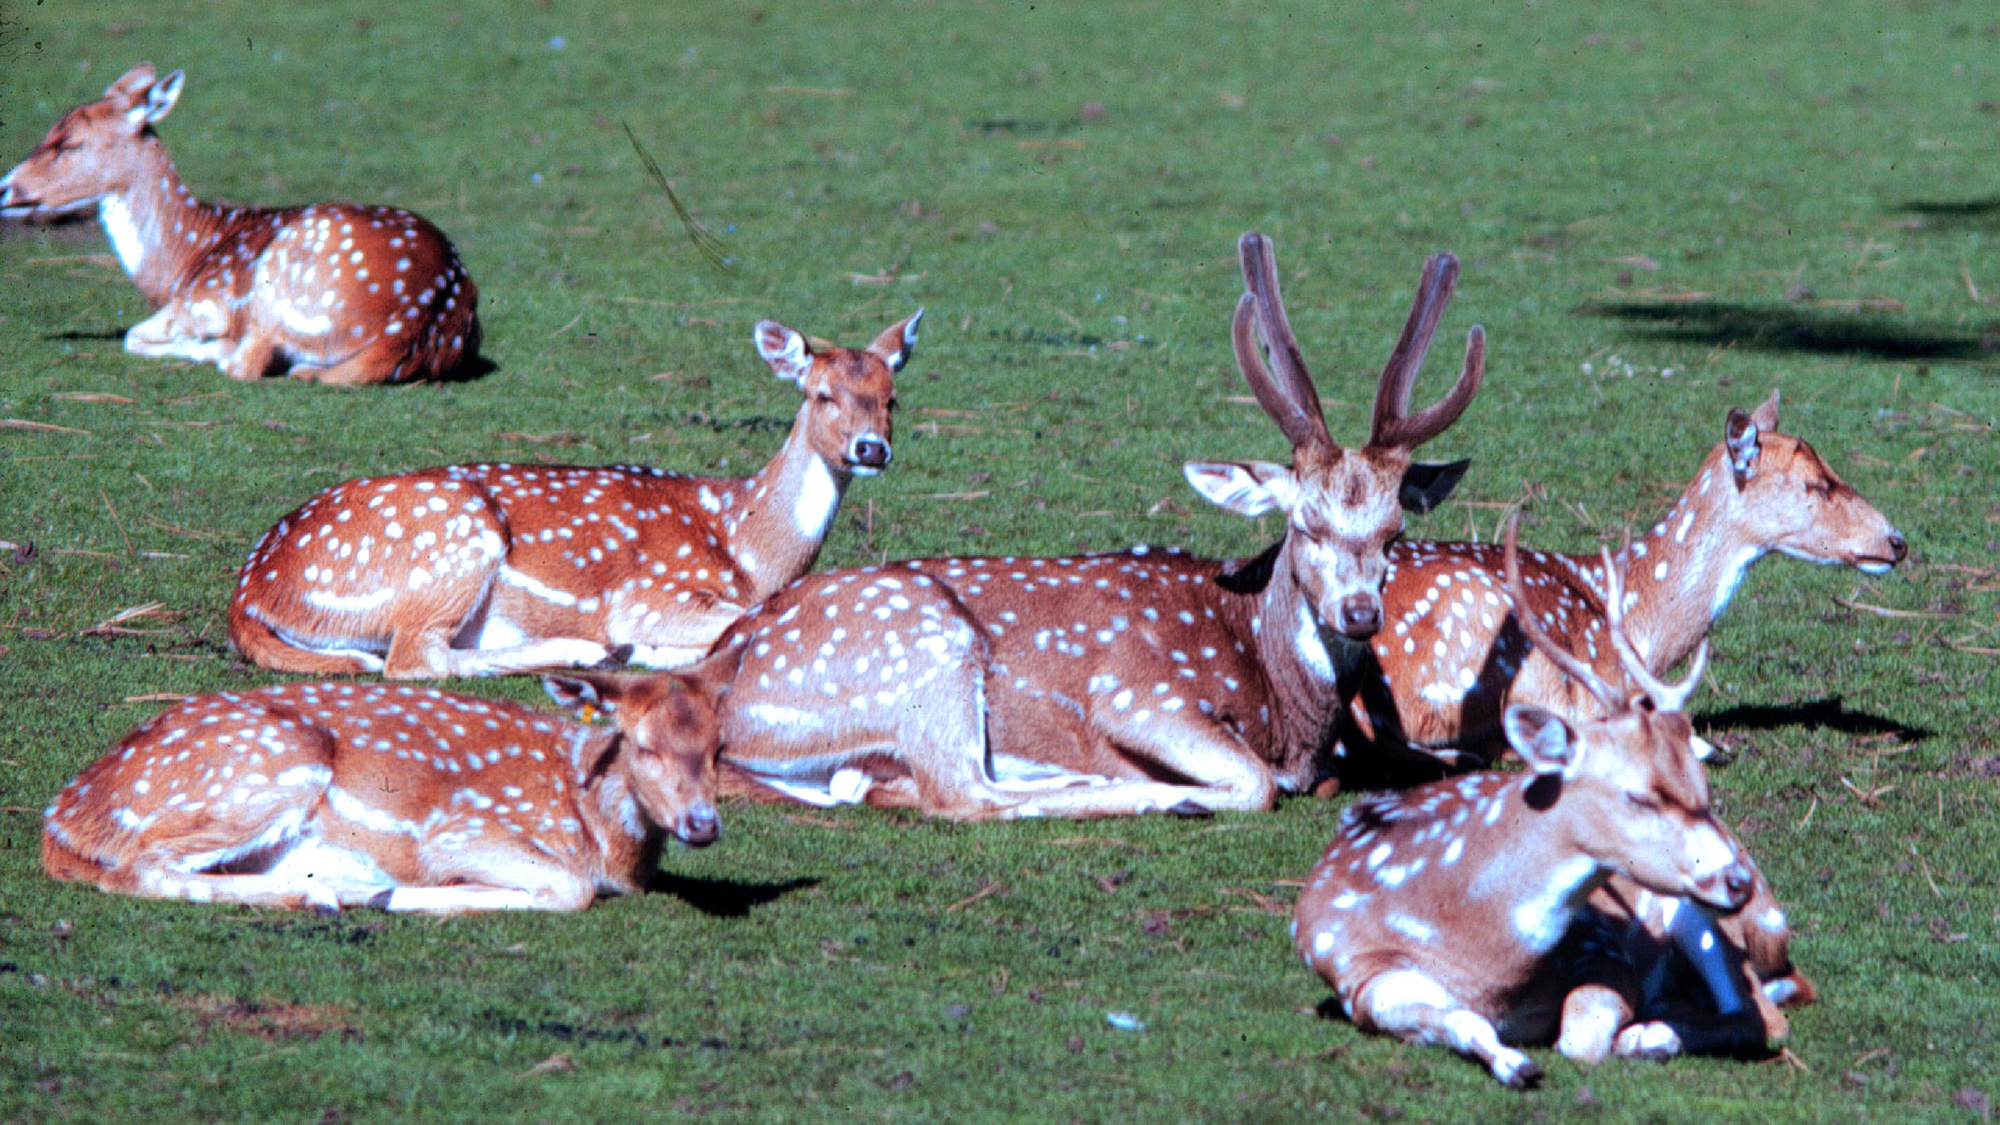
[
  {"x": 700, "y": 827},
  {"x": 1360, "y": 616},
  {"x": 869, "y": 451},
  {"x": 1898, "y": 548},
  {"x": 1737, "y": 883}
]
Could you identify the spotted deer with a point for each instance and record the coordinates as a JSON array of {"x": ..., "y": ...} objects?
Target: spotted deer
[
  {"x": 1453, "y": 655},
  {"x": 404, "y": 798},
  {"x": 1118, "y": 683},
  {"x": 1458, "y": 913},
  {"x": 339, "y": 293},
  {"x": 487, "y": 569}
]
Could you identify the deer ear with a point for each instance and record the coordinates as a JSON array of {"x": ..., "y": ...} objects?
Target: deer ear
[
  {"x": 1740, "y": 434},
  {"x": 1427, "y": 483},
  {"x": 159, "y": 100},
  {"x": 575, "y": 694},
  {"x": 1543, "y": 739},
  {"x": 586, "y": 693},
  {"x": 1248, "y": 488},
  {"x": 1766, "y": 416},
  {"x": 785, "y": 350},
  {"x": 895, "y": 344},
  {"x": 131, "y": 84}
]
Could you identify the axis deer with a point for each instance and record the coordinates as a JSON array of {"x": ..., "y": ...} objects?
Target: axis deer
[
  {"x": 340, "y": 293},
  {"x": 479, "y": 570},
  {"x": 1108, "y": 684},
  {"x": 403, "y": 798},
  {"x": 1449, "y": 914},
  {"x": 1453, "y": 655}
]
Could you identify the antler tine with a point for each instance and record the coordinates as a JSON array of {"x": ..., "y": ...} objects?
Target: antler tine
[
  {"x": 1539, "y": 637},
  {"x": 1668, "y": 697},
  {"x": 1392, "y": 426},
  {"x": 1288, "y": 397}
]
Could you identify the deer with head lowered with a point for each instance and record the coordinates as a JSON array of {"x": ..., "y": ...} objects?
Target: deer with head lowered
[
  {"x": 1452, "y": 654},
  {"x": 339, "y": 293},
  {"x": 487, "y": 569},
  {"x": 1457, "y": 913},
  {"x": 1118, "y": 683},
  {"x": 330, "y": 795}
]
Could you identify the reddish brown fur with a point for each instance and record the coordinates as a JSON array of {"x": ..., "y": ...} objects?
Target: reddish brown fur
[
  {"x": 1107, "y": 684},
  {"x": 492, "y": 568},
  {"x": 1451, "y": 657},
  {"x": 1455, "y": 913},
  {"x": 339, "y": 293},
  {"x": 330, "y": 795}
]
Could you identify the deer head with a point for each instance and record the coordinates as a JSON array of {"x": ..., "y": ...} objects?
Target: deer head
[
  {"x": 1632, "y": 775},
  {"x": 665, "y": 740},
  {"x": 87, "y": 156},
  {"x": 1343, "y": 506},
  {"x": 849, "y": 394},
  {"x": 1795, "y": 503}
]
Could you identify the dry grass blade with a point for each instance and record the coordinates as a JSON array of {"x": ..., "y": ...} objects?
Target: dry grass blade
[
  {"x": 158, "y": 697},
  {"x": 93, "y": 396},
  {"x": 43, "y": 427},
  {"x": 560, "y": 437},
  {"x": 710, "y": 246},
  {"x": 115, "y": 623},
  {"x": 555, "y": 1064},
  {"x": 986, "y": 890},
  {"x": 1885, "y": 611}
]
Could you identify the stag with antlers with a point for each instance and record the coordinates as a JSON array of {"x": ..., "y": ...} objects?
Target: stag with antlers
[{"x": 1116, "y": 683}]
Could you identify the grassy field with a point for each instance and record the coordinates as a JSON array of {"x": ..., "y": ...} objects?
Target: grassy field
[{"x": 1663, "y": 211}]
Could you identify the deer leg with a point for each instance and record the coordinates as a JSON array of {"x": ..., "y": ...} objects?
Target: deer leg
[
  {"x": 1225, "y": 776},
  {"x": 1592, "y": 1016},
  {"x": 1409, "y": 1005},
  {"x": 490, "y": 874},
  {"x": 251, "y": 359},
  {"x": 384, "y": 361}
]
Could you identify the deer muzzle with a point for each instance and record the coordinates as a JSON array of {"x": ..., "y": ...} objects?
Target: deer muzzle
[
  {"x": 699, "y": 827},
  {"x": 868, "y": 454}
]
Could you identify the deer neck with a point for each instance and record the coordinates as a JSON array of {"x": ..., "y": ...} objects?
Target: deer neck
[
  {"x": 156, "y": 224},
  {"x": 1528, "y": 876},
  {"x": 611, "y": 817},
  {"x": 776, "y": 521},
  {"x": 1683, "y": 572},
  {"x": 1304, "y": 666}
]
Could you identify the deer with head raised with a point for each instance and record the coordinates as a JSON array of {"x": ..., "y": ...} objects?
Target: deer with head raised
[
  {"x": 486, "y": 569},
  {"x": 339, "y": 293},
  {"x": 409, "y": 799},
  {"x": 1457, "y": 913},
  {"x": 1452, "y": 654},
  {"x": 1118, "y": 683}
]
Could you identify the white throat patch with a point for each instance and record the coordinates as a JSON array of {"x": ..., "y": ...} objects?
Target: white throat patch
[
  {"x": 818, "y": 497},
  {"x": 1312, "y": 649},
  {"x": 123, "y": 232}
]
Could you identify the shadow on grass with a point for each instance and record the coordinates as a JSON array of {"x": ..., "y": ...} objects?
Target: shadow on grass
[
  {"x": 1954, "y": 214},
  {"x": 1830, "y": 713},
  {"x": 723, "y": 898},
  {"x": 1797, "y": 329}
]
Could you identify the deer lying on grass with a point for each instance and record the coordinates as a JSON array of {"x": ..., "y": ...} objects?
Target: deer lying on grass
[
  {"x": 340, "y": 293},
  {"x": 1457, "y": 913},
  {"x": 402, "y": 798},
  {"x": 479, "y": 570},
  {"x": 1108, "y": 684},
  {"x": 1453, "y": 656}
]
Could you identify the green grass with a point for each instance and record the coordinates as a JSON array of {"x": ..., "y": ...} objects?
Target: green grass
[{"x": 1822, "y": 174}]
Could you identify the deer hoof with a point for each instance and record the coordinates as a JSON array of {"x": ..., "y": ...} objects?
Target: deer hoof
[
  {"x": 615, "y": 659},
  {"x": 1190, "y": 809}
]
